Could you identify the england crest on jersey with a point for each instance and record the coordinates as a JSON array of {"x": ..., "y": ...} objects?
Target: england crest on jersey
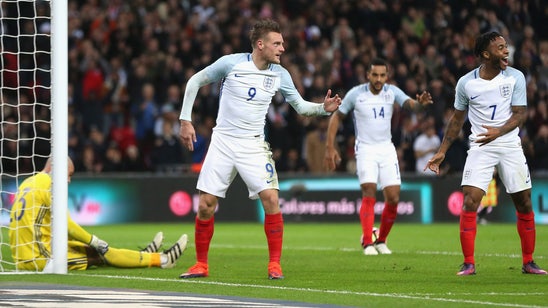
[
  {"x": 505, "y": 90},
  {"x": 268, "y": 83}
]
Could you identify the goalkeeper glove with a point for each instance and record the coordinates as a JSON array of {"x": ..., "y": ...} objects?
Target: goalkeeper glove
[{"x": 99, "y": 245}]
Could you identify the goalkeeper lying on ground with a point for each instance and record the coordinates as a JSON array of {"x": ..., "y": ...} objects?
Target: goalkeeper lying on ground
[{"x": 30, "y": 234}]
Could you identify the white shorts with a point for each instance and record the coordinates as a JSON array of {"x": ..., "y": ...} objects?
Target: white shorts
[
  {"x": 509, "y": 161},
  {"x": 378, "y": 163},
  {"x": 228, "y": 156}
]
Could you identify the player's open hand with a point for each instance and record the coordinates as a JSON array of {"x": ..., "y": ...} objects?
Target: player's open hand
[
  {"x": 435, "y": 162},
  {"x": 424, "y": 98},
  {"x": 491, "y": 134},
  {"x": 331, "y": 104},
  {"x": 187, "y": 134}
]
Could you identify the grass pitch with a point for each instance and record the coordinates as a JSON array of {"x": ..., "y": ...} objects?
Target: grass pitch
[{"x": 323, "y": 263}]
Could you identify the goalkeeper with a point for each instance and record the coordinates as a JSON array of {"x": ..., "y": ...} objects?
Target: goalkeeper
[{"x": 30, "y": 234}]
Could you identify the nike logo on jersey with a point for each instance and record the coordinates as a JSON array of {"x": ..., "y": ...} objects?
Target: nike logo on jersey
[
  {"x": 238, "y": 75},
  {"x": 269, "y": 181},
  {"x": 473, "y": 97}
]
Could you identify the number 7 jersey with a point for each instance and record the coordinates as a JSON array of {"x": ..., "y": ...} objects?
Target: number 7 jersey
[{"x": 490, "y": 102}]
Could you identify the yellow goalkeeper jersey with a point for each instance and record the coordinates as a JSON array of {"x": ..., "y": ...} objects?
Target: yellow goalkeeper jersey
[{"x": 30, "y": 219}]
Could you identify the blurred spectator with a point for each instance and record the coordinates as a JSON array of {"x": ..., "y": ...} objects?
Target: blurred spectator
[
  {"x": 540, "y": 148},
  {"x": 404, "y": 138},
  {"x": 133, "y": 160},
  {"x": 113, "y": 159},
  {"x": 168, "y": 152},
  {"x": 290, "y": 162},
  {"x": 116, "y": 96},
  {"x": 314, "y": 146},
  {"x": 426, "y": 145},
  {"x": 455, "y": 156},
  {"x": 129, "y": 59},
  {"x": 145, "y": 112},
  {"x": 203, "y": 136},
  {"x": 88, "y": 162},
  {"x": 167, "y": 115}
]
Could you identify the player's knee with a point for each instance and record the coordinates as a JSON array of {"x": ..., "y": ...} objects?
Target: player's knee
[
  {"x": 470, "y": 205},
  {"x": 393, "y": 200},
  {"x": 205, "y": 212}
]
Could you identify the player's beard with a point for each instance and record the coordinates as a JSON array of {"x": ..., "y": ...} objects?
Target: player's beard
[{"x": 376, "y": 87}]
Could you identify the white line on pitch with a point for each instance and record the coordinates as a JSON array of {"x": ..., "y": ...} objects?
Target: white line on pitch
[{"x": 421, "y": 297}]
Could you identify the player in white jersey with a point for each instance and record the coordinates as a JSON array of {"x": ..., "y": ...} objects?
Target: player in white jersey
[
  {"x": 249, "y": 81},
  {"x": 495, "y": 97},
  {"x": 372, "y": 105}
]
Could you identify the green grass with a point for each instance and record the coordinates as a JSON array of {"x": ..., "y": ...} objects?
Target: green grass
[{"x": 323, "y": 263}]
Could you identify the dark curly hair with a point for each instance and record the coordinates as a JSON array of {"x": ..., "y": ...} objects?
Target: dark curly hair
[{"x": 483, "y": 41}]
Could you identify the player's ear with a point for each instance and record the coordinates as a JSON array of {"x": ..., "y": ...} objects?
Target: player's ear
[{"x": 485, "y": 54}]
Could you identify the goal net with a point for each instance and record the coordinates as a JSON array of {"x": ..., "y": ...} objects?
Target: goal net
[{"x": 28, "y": 104}]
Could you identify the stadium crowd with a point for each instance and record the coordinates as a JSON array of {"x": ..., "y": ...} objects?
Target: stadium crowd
[{"x": 129, "y": 62}]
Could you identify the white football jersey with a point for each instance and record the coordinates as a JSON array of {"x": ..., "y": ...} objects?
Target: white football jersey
[
  {"x": 490, "y": 102},
  {"x": 246, "y": 92},
  {"x": 372, "y": 113}
]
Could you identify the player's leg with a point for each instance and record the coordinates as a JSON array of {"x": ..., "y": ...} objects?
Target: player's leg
[
  {"x": 368, "y": 174},
  {"x": 367, "y": 216},
  {"x": 127, "y": 258},
  {"x": 390, "y": 182},
  {"x": 526, "y": 230},
  {"x": 477, "y": 173},
  {"x": 525, "y": 226},
  {"x": 388, "y": 217},
  {"x": 468, "y": 224},
  {"x": 257, "y": 169},
  {"x": 274, "y": 230},
  {"x": 81, "y": 256},
  {"x": 203, "y": 233},
  {"x": 204, "y": 225},
  {"x": 217, "y": 174},
  {"x": 390, "y": 211},
  {"x": 514, "y": 173}
]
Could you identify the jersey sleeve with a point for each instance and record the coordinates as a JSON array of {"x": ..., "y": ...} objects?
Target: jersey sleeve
[
  {"x": 349, "y": 101},
  {"x": 399, "y": 96},
  {"x": 220, "y": 68},
  {"x": 519, "y": 95},
  {"x": 214, "y": 72},
  {"x": 461, "y": 99},
  {"x": 287, "y": 87}
]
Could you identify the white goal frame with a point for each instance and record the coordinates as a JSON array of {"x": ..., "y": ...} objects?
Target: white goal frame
[
  {"x": 59, "y": 136},
  {"x": 58, "y": 139}
]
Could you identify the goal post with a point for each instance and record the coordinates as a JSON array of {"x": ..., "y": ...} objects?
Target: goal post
[
  {"x": 34, "y": 114},
  {"x": 59, "y": 135}
]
